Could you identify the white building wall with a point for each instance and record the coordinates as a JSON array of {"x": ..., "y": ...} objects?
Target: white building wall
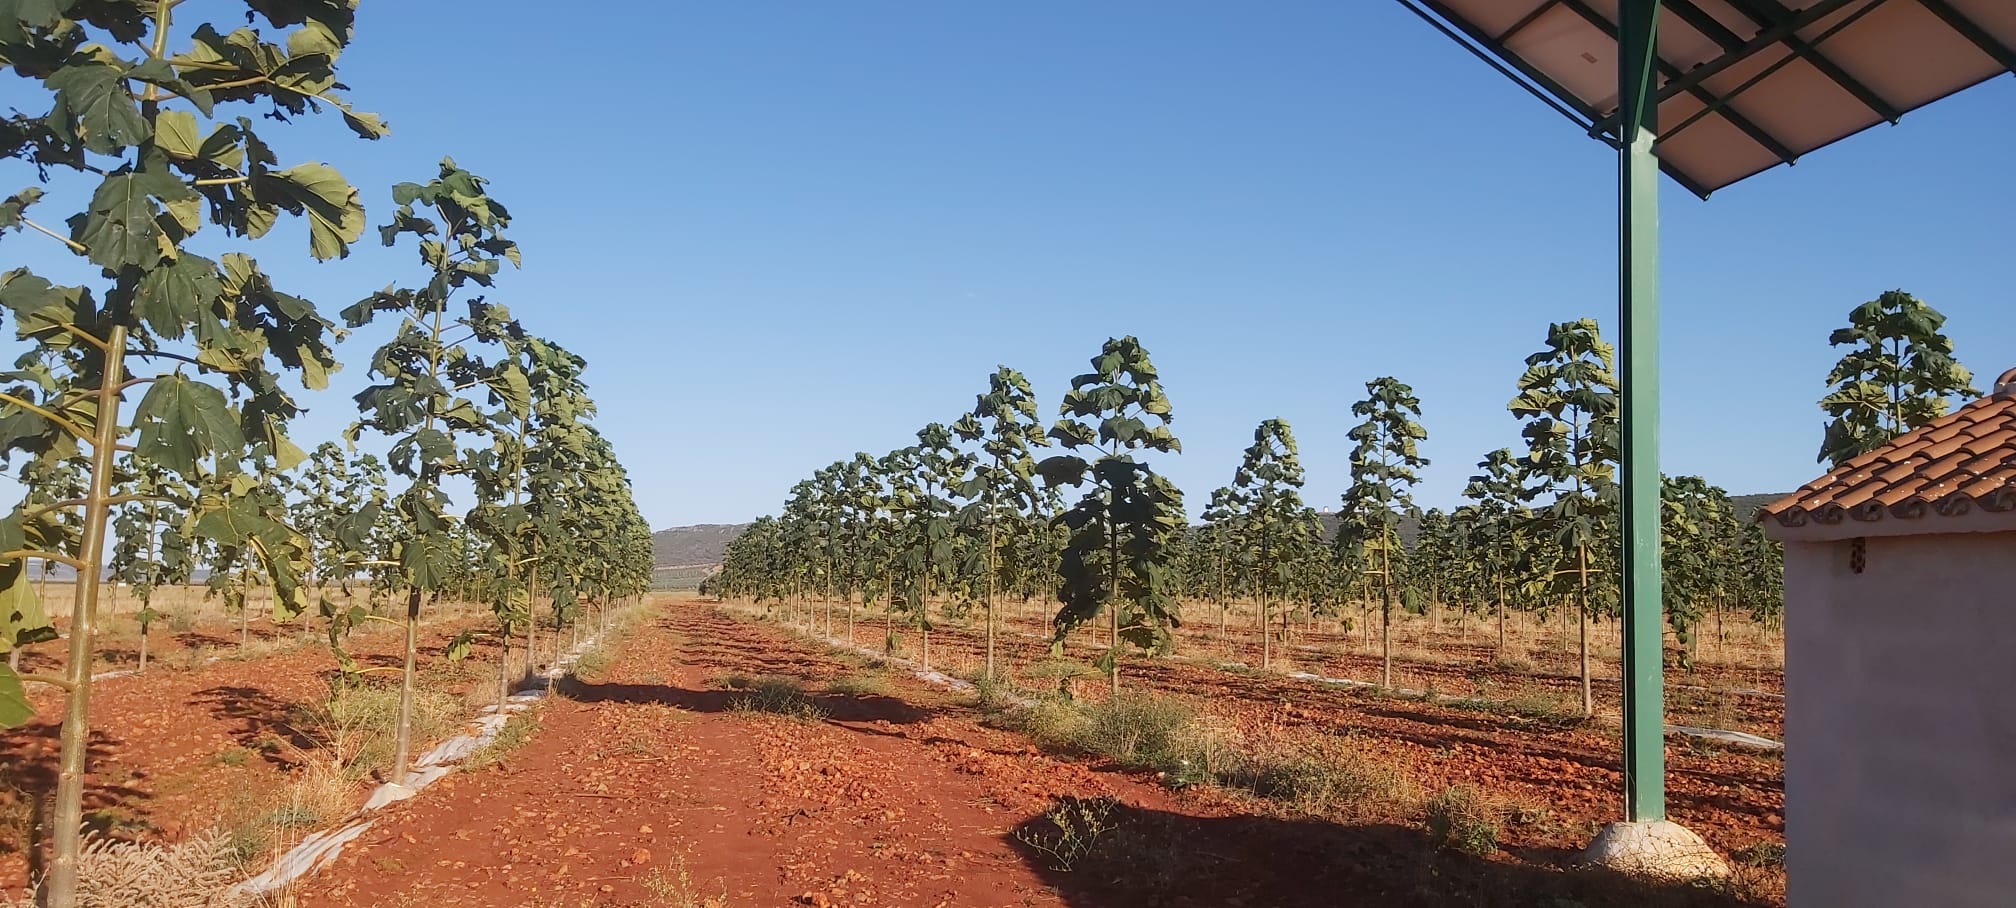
[{"x": 1900, "y": 777}]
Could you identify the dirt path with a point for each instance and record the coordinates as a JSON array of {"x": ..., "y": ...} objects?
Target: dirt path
[{"x": 648, "y": 788}]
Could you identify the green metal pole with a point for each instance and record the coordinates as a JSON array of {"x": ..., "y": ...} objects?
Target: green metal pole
[{"x": 1638, "y": 317}]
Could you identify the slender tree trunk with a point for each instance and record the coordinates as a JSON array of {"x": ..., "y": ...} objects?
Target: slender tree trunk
[
  {"x": 992, "y": 558},
  {"x": 1223, "y": 603},
  {"x": 1582, "y": 612},
  {"x": 1113, "y": 601},
  {"x": 75, "y": 736},
  {"x": 244, "y": 607},
  {"x": 1266, "y": 637},
  {"x": 1385, "y": 614},
  {"x": 404, "y": 742},
  {"x": 1501, "y": 614}
]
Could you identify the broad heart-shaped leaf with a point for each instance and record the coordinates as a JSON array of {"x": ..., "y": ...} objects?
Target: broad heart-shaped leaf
[
  {"x": 176, "y": 294},
  {"x": 92, "y": 106},
  {"x": 183, "y": 421},
  {"x": 21, "y": 617},
  {"x": 175, "y": 134},
  {"x": 119, "y": 228},
  {"x": 14, "y": 708},
  {"x": 335, "y": 215}
]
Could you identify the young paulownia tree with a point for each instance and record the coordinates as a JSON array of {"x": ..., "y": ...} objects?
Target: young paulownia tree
[
  {"x": 1898, "y": 375},
  {"x": 1271, "y": 523},
  {"x": 1568, "y": 396},
  {"x": 426, "y": 371},
  {"x": 143, "y": 133},
  {"x": 1003, "y": 487},
  {"x": 1117, "y": 559},
  {"x": 1384, "y": 469}
]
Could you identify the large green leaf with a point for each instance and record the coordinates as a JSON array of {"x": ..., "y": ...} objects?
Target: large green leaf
[
  {"x": 183, "y": 421},
  {"x": 93, "y": 107},
  {"x": 175, "y": 134},
  {"x": 21, "y": 617},
  {"x": 176, "y": 294},
  {"x": 335, "y": 214},
  {"x": 119, "y": 229},
  {"x": 14, "y": 708}
]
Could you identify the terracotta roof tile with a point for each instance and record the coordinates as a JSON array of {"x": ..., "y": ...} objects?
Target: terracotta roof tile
[{"x": 1951, "y": 466}]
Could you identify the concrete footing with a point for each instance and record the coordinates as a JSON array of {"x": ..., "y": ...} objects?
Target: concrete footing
[{"x": 1661, "y": 849}]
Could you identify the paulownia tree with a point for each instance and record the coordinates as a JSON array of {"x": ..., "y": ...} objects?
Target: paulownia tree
[
  {"x": 1383, "y": 474},
  {"x": 930, "y": 519},
  {"x": 140, "y": 129},
  {"x": 1495, "y": 525},
  {"x": 1117, "y": 559},
  {"x": 149, "y": 550},
  {"x": 426, "y": 371},
  {"x": 1269, "y": 519},
  {"x": 1568, "y": 397},
  {"x": 1003, "y": 487},
  {"x": 1898, "y": 375}
]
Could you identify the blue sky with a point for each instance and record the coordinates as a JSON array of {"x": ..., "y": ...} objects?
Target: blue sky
[{"x": 784, "y": 232}]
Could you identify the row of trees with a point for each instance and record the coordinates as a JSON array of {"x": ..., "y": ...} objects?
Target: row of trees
[
  {"x": 200, "y": 471},
  {"x": 966, "y": 524},
  {"x": 1538, "y": 531}
]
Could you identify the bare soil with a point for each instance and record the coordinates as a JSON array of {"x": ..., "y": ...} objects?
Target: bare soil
[
  {"x": 204, "y": 738},
  {"x": 652, "y": 787}
]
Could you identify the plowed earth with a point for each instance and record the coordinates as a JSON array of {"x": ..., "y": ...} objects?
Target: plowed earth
[
  {"x": 191, "y": 743},
  {"x": 648, "y": 787}
]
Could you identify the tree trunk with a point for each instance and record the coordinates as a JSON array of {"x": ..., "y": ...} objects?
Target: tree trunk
[
  {"x": 1501, "y": 615},
  {"x": 75, "y": 736},
  {"x": 991, "y": 561},
  {"x": 1385, "y": 615},
  {"x": 1266, "y": 638},
  {"x": 1582, "y": 612},
  {"x": 404, "y": 742}
]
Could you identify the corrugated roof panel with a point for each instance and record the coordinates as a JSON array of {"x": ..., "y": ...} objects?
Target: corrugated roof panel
[
  {"x": 1711, "y": 150},
  {"x": 1788, "y": 76},
  {"x": 1493, "y": 17},
  {"x": 1573, "y": 52},
  {"x": 1997, "y": 17},
  {"x": 1907, "y": 55}
]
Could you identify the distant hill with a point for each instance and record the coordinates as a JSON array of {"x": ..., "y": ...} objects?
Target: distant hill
[{"x": 695, "y": 546}]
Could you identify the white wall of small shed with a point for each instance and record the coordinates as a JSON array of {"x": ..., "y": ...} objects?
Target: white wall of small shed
[{"x": 1900, "y": 777}]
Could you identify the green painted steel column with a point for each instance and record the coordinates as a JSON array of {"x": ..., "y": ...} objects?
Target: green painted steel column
[{"x": 1638, "y": 318}]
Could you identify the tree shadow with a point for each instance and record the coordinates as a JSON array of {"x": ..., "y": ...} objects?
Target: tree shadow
[
  {"x": 1119, "y": 856},
  {"x": 842, "y": 710},
  {"x": 260, "y": 717},
  {"x": 28, "y": 770}
]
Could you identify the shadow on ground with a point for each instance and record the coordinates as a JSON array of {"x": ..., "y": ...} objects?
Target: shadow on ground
[
  {"x": 1117, "y": 856},
  {"x": 840, "y": 709}
]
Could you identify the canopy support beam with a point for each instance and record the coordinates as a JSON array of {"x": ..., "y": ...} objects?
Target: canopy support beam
[{"x": 1638, "y": 359}]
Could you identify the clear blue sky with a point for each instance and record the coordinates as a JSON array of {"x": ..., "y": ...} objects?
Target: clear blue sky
[{"x": 784, "y": 232}]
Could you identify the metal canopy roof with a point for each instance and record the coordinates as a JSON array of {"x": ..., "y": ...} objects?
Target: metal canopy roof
[{"x": 1744, "y": 85}]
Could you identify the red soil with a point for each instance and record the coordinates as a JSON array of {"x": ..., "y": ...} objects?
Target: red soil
[
  {"x": 183, "y": 746},
  {"x": 908, "y": 799}
]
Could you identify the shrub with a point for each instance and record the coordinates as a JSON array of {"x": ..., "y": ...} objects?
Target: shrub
[
  {"x": 360, "y": 723},
  {"x": 780, "y": 696},
  {"x": 198, "y": 873},
  {"x": 1074, "y": 826},
  {"x": 1460, "y": 818},
  {"x": 875, "y": 685},
  {"x": 1328, "y": 780},
  {"x": 1140, "y": 730}
]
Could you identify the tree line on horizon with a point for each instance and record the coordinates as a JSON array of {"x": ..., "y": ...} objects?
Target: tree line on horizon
[{"x": 970, "y": 513}]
